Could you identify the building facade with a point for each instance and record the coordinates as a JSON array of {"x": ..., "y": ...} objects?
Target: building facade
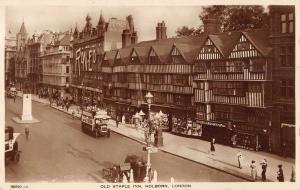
[
  {"x": 36, "y": 45},
  {"x": 9, "y": 57},
  {"x": 88, "y": 47},
  {"x": 233, "y": 86},
  {"x": 282, "y": 39},
  {"x": 55, "y": 74}
]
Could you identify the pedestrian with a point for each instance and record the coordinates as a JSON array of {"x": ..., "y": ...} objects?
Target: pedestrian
[
  {"x": 240, "y": 158},
  {"x": 14, "y": 97},
  {"x": 264, "y": 166},
  {"x": 26, "y": 133},
  {"x": 73, "y": 114},
  {"x": 253, "y": 170},
  {"x": 280, "y": 175},
  {"x": 233, "y": 140},
  {"x": 293, "y": 176},
  {"x": 117, "y": 122},
  {"x": 212, "y": 146},
  {"x": 67, "y": 106}
]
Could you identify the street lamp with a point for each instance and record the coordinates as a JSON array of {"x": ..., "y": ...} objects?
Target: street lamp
[{"x": 149, "y": 98}]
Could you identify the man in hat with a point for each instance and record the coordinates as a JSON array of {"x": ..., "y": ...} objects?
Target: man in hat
[
  {"x": 280, "y": 175},
  {"x": 264, "y": 166}
]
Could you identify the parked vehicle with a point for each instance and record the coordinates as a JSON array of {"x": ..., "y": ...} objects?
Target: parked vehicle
[
  {"x": 115, "y": 173},
  {"x": 95, "y": 123},
  {"x": 12, "y": 152}
]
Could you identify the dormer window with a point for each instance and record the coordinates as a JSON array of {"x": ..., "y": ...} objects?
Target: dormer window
[
  {"x": 134, "y": 58},
  {"x": 176, "y": 56},
  {"x": 153, "y": 59}
]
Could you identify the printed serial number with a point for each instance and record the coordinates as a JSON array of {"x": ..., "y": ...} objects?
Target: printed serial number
[{"x": 19, "y": 186}]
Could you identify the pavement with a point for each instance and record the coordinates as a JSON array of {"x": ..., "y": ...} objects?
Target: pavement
[{"x": 196, "y": 150}]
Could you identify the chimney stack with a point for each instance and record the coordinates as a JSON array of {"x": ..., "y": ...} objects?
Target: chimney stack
[
  {"x": 161, "y": 31},
  {"x": 134, "y": 38},
  {"x": 126, "y": 38},
  {"x": 211, "y": 25}
]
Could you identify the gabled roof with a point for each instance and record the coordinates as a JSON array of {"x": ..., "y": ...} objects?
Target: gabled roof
[
  {"x": 142, "y": 52},
  {"x": 125, "y": 54},
  {"x": 258, "y": 39},
  {"x": 188, "y": 51},
  {"x": 110, "y": 56},
  {"x": 162, "y": 51},
  {"x": 225, "y": 42}
]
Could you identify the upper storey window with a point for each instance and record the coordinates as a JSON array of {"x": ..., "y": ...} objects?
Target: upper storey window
[
  {"x": 287, "y": 23},
  {"x": 153, "y": 58},
  {"x": 134, "y": 58},
  {"x": 209, "y": 51},
  {"x": 176, "y": 56}
]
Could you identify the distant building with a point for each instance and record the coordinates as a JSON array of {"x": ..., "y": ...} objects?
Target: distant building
[
  {"x": 10, "y": 53},
  {"x": 88, "y": 47},
  {"x": 55, "y": 68},
  {"x": 21, "y": 68},
  {"x": 35, "y": 46}
]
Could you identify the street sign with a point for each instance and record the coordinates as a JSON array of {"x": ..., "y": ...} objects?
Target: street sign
[
  {"x": 153, "y": 150},
  {"x": 150, "y": 149}
]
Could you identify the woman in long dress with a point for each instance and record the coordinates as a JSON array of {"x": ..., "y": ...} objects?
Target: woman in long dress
[{"x": 253, "y": 170}]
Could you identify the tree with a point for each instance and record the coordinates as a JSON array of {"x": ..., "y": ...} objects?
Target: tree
[
  {"x": 184, "y": 31},
  {"x": 231, "y": 18},
  {"x": 237, "y": 17}
]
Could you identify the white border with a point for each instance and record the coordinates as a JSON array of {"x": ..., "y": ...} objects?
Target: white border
[{"x": 198, "y": 186}]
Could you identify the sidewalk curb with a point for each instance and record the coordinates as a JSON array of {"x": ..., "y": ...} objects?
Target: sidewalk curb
[
  {"x": 132, "y": 138},
  {"x": 168, "y": 152},
  {"x": 201, "y": 163}
]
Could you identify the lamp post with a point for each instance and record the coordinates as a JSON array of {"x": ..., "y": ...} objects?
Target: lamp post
[{"x": 149, "y": 98}]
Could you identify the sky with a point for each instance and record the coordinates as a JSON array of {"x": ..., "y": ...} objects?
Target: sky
[{"x": 62, "y": 18}]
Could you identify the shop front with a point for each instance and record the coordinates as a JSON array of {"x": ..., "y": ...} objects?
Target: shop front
[
  {"x": 221, "y": 132},
  {"x": 171, "y": 113},
  {"x": 251, "y": 137},
  {"x": 124, "y": 112}
]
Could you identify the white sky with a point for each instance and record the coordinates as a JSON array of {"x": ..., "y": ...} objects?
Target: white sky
[{"x": 62, "y": 18}]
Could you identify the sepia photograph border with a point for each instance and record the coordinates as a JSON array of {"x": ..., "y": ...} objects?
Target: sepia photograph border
[{"x": 197, "y": 186}]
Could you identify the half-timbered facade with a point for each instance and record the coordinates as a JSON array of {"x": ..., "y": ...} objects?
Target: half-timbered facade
[{"x": 232, "y": 88}]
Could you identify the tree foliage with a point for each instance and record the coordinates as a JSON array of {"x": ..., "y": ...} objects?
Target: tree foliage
[
  {"x": 186, "y": 31},
  {"x": 237, "y": 17}
]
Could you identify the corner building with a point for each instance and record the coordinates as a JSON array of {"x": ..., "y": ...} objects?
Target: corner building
[{"x": 88, "y": 47}]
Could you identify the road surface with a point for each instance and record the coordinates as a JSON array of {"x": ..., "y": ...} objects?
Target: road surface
[{"x": 57, "y": 151}]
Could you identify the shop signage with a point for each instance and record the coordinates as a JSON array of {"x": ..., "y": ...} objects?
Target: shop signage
[
  {"x": 287, "y": 125},
  {"x": 211, "y": 123},
  {"x": 85, "y": 56}
]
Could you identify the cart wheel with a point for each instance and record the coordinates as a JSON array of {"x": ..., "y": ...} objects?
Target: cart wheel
[{"x": 16, "y": 157}]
